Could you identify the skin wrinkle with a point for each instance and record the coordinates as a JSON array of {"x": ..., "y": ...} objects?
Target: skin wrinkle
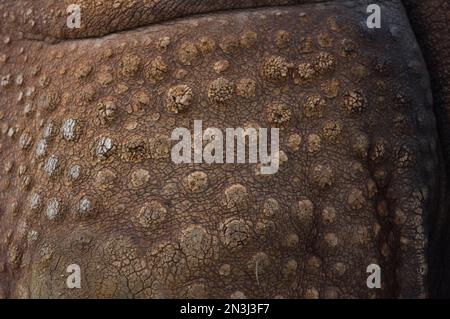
[{"x": 153, "y": 235}]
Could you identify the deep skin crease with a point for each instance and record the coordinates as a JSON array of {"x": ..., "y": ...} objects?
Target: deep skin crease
[{"x": 86, "y": 175}]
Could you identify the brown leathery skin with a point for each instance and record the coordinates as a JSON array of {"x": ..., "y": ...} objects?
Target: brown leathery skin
[{"x": 87, "y": 176}]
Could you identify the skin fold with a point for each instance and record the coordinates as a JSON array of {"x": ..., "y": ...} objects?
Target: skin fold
[
  {"x": 86, "y": 117},
  {"x": 429, "y": 20}
]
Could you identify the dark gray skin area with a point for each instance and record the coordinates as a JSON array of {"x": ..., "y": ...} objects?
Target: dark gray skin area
[{"x": 86, "y": 174}]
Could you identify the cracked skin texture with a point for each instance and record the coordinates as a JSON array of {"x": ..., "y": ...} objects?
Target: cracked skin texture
[{"x": 87, "y": 176}]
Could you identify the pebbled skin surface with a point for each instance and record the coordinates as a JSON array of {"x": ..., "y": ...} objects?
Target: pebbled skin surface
[{"x": 87, "y": 176}]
